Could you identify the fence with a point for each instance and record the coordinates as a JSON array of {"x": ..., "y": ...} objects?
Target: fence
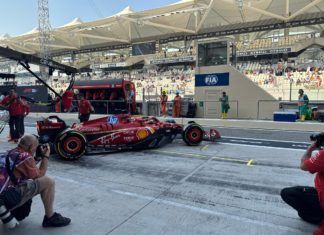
[
  {"x": 210, "y": 109},
  {"x": 315, "y": 94},
  {"x": 108, "y": 106}
]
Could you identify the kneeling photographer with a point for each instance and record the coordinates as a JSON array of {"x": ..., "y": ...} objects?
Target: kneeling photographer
[
  {"x": 309, "y": 201},
  {"x": 24, "y": 180}
]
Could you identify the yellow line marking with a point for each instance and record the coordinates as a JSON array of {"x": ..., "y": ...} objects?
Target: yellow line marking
[
  {"x": 205, "y": 147},
  {"x": 229, "y": 159},
  {"x": 203, "y": 156},
  {"x": 250, "y": 162}
]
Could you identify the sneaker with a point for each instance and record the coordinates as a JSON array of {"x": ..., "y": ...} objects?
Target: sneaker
[{"x": 57, "y": 220}]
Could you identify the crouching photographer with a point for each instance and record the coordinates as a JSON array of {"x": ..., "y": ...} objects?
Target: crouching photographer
[
  {"x": 309, "y": 201},
  {"x": 21, "y": 180}
]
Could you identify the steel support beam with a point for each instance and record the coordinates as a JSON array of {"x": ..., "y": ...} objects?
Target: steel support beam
[
  {"x": 146, "y": 22},
  {"x": 261, "y": 11},
  {"x": 202, "y": 21},
  {"x": 52, "y": 45},
  {"x": 314, "y": 3},
  {"x": 101, "y": 37}
]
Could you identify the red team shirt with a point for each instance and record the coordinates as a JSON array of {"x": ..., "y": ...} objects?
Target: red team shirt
[
  {"x": 84, "y": 107},
  {"x": 17, "y": 106},
  {"x": 67, "y": 99},
  {"x": 315, "y": 164}
]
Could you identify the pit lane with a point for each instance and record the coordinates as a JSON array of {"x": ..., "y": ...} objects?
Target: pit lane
[{"x": 226, "y": 187}]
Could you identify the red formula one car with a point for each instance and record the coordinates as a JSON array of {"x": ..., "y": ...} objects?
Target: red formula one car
[{"x": 115, "y": 133}]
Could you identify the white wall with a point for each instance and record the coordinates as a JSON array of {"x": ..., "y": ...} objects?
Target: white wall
[{"x": 243, "y": 94}]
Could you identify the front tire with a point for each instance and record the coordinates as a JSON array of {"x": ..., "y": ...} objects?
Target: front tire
[
  {"x": 193, "y": 134},
  {"x": 70, "y": 145}
]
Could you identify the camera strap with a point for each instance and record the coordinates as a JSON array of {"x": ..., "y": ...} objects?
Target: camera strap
[{"x": 9, "y": 169}]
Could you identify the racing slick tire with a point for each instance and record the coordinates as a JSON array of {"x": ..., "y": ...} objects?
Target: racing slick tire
[
  {"x": 70, "y": 145},
  {"x": 193, "y": 134}
]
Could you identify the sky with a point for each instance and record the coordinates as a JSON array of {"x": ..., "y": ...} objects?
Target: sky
[{"x": 20, "y": 16}]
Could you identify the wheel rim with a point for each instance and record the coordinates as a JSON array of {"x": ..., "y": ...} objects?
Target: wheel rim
[
  {"x": 72, "y": 145},
  {"x": 194, "y": 135}
]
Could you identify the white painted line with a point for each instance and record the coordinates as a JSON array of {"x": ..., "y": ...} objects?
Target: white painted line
[
  {"x": 299, "y": 145},
  {"x": 258, "y": 129},
  {"x": 190, "y": 207},
  {"x": 285, "y": 141},
  {"x": 244, "y": 141},
  {"x": 258, "y": 146}
]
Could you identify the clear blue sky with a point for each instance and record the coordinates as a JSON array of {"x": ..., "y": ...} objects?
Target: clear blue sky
[{"x": 20, "y": 16}]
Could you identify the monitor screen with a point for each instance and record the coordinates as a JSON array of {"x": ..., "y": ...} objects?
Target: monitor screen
[
  {"x": 143, "y": 48},
  {"x": 213, "y": 53}
]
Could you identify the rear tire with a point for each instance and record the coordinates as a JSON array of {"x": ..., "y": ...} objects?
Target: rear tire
[
  {"x": 193, "y": 134},
  {"x": 70, "y": 145}
]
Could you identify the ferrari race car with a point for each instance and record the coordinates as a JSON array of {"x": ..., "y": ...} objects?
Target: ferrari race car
[{"x": 115, "y": 133}]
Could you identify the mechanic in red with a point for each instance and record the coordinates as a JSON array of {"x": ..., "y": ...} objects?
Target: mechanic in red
[
  {"x": 18, "y": 109},
  {"x": 24, "y": 111},
  {"x": 309, "y": 201},
  {"x": 163, "y": 103},
  {"x": 85, "y": 108},
  {"x": 67, "y": 99}
]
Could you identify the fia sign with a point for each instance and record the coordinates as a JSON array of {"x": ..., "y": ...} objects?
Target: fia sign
[{"x": 211, "y": 80}]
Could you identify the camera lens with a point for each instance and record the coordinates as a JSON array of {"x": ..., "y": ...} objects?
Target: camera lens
[{"x": 313, "y": 138}]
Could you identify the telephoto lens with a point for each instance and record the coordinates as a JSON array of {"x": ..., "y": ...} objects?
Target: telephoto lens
[{"x": 6, "y": 217}]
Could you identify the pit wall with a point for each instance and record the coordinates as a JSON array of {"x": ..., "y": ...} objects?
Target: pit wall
[
  {"x": 229, "y": 123},
  {"x": 245, "y": 96}
]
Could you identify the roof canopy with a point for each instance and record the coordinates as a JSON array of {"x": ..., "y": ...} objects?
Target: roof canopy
[{"x": 187, "y": 17}]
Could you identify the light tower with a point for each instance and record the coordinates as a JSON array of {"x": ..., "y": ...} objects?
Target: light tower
[{"x": 44, "y": 28}]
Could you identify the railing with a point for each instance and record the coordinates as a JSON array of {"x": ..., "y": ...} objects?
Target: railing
[
  {"x": 263, "y": 110},
  {"x": 108, "y": 106},
  {"x": 284, "y": 91}
]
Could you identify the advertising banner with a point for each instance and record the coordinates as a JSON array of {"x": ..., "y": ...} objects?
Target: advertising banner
[{"x": 214, "y": 79}]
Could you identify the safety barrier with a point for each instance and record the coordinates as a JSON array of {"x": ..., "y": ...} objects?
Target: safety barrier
[{"x": 210, "y": 109}]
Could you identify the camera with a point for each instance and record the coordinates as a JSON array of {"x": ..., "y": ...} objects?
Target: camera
[
  {"x": 319, "y": 139},
  {"x": 41, "y": 149}
]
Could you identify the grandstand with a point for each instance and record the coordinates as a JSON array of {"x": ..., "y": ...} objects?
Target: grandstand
[{"x": 278, "y": 46}]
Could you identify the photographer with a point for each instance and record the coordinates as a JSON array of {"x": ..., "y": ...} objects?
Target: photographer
[
  {"x": 31, "y": 180},
  {"x": 309, "y": 201}
]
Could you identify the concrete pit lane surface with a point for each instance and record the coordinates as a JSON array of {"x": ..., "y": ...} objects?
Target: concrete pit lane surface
[{"x": 214, "y": 188}]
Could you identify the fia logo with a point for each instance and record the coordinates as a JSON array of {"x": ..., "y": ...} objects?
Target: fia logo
[{"x": 211, "y": 80}]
